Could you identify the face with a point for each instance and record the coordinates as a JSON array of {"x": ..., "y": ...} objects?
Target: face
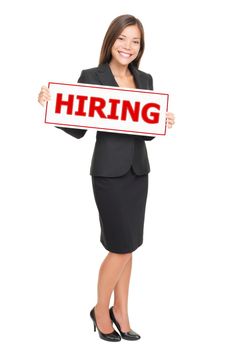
[{"x": 127, "y": 45}]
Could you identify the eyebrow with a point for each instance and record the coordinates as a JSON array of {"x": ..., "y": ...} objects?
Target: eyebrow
[{"x": 125, "y": 36}]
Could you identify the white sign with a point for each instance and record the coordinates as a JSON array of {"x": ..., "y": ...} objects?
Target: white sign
[{"x": 110, "y": 109}]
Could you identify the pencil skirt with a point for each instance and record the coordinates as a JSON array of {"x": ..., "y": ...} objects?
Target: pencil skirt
[{"x": 121, "y": 203}]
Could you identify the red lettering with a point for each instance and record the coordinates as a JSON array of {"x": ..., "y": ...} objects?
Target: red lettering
[
  {"x": 114, "y": 103},
  {"x": 81, "y": 102},
  {"x": 97, "y": 108},
  {"x": 150, "y": 112},
  {"x": 127, "y": 108},
  {"x": 155, "y": 115},
  {"x": 60, "y": 103}
]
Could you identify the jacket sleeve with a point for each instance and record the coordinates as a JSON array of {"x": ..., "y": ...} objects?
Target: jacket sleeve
[
  {"x": 149, "y": 138},
  {"x": 77, "y": 133}
]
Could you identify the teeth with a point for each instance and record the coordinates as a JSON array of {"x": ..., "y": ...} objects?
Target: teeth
[{"x": 126, "y": 55}]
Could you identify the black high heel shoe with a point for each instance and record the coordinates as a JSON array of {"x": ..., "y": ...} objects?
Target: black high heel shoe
[
  {"x": 131, "y": 335},
  {"x": 114, "y": 336}
]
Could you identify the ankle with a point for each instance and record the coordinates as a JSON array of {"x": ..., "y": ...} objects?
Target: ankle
[
  {"x": 100, "y": 308},
  {"x": 120, "y": 311}
]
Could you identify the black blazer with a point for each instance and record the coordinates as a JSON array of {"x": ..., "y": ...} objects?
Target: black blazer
[{"x": 114, "y": 153}]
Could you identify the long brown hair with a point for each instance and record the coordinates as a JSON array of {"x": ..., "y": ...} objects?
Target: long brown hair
[{"x": 115, "y": 29}]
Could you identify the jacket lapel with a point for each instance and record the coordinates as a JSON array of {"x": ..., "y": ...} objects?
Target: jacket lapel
[{"x": 106, "y": 77}]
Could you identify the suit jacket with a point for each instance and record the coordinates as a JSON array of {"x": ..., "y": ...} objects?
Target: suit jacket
[{"x": 115, "y": 153}]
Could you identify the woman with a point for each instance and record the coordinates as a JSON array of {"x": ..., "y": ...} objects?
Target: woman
[{"x": 119, "y": 171}]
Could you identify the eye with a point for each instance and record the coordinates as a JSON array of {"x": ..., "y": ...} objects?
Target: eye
[
  {"x": 136, "y": 42},
  {"x": 120, "y": 38}
]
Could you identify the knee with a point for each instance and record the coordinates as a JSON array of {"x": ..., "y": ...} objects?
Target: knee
[
  {"x": 124, "y": 257},
  {"x": 127, "y": 256}
]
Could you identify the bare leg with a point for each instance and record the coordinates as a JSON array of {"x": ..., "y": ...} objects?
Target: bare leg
[
  {"x": 109, "y": 274},
  {"x": 121, "y": 292}
]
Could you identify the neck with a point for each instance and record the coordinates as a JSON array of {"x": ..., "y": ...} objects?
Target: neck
[{"x": 119, "y": 70}]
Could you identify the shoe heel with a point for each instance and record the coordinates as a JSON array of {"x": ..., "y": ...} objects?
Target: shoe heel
[{"x": 113, "y": 336}]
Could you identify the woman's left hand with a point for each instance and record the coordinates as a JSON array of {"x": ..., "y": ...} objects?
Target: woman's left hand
[{"x": 170, "y": 119}]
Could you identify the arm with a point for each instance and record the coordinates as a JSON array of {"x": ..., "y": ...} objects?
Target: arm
[
  {"x": 77, "y": 133},
  {"x": 149, "y": 138}
]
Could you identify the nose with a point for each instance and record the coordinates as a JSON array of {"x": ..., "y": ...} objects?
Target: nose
[{"x": 127, "y": 44}]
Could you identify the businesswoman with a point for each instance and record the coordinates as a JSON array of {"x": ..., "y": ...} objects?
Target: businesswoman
[{"x": 119, "y": 171}]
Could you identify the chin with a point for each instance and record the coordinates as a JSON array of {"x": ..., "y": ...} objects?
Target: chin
[{"x": 124, "y": 63}]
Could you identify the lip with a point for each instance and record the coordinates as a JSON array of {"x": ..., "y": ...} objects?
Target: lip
[{"x": 124, "y": 54}]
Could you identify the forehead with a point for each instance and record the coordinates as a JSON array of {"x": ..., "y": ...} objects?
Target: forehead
[{"x": 132, "y": 31}]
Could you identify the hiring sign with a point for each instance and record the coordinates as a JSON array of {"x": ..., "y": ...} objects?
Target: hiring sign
[{"x": 110, "y": 109}]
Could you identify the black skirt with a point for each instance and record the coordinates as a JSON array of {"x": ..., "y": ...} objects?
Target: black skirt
[{"x": 121, "y": 203}]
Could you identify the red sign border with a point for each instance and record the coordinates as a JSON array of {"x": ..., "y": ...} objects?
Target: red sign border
[{"x": 108, "y": 88}]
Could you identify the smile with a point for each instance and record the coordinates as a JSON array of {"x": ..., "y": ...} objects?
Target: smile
[{"x": 124, "y": 54}]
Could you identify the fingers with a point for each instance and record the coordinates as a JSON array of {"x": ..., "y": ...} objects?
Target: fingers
[
  {"x": 44, "y": 95},
  {"x": 170, "y": 119},
  {"x": 169, "y": 125}
]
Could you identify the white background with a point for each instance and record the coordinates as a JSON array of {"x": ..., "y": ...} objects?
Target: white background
[{"x": 181, "y": 287}]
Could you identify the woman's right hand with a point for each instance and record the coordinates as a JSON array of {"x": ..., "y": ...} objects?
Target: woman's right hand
[{"x": 44, "y": 95}]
